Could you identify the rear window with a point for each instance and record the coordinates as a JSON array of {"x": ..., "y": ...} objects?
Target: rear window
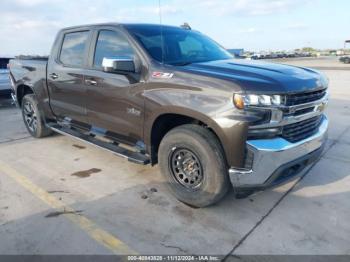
[{"x": 73, "y": 48}]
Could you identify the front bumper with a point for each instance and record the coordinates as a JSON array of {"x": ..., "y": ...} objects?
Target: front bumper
[{"x": 277, "y": 160}]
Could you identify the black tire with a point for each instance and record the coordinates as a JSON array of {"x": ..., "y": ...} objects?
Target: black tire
[
  {"x": 206, "y": 154},
  {"x": 33, "y": 119}
]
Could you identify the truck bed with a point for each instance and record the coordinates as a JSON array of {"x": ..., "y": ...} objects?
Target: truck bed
[{"x": 33, "y": 69}]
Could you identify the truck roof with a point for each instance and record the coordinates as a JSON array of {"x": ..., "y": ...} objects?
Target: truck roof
[{"x": 145, "y": 25}]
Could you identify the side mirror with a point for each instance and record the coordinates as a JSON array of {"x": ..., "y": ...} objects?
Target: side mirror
[{"x": 118, "y": 64}]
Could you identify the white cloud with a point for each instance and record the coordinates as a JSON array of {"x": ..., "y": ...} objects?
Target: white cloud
[
  {"x": 245, "y": 7},
  {"x": 169, "y": 10},
  {"x": 29, "y": 26},
  {"x": 134, "y": 14},
  {"x": 27, "y": 3},
  {"x": 298, "y": 26},
  {"x": 248, "y": 30},
  {"x": 34, "y": 24}
]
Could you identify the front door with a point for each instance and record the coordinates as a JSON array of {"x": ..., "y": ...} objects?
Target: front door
[
  {"x": 114, "y": 104},
  {"x": 66, "y": 79}
]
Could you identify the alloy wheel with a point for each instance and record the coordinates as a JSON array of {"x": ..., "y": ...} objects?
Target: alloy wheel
[{"x": 30, "y": 117}]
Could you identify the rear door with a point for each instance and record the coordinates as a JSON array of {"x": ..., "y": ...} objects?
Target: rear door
[
  {"x": 114, "y": 103},
  {"x": 65, "y": 75}
]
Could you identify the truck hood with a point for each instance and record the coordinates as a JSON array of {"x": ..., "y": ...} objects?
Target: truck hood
[{"x": 261, "y": 77}]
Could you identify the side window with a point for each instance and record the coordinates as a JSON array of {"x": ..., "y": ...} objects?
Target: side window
[
  {"x": 109, "y": 44},
  {"x": 73, "y": 48}
]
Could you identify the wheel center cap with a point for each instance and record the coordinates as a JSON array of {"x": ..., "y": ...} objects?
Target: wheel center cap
[{"x": 188, "y": 167}]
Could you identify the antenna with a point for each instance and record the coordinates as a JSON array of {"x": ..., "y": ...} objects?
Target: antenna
[{"x": 161, "y": 29}]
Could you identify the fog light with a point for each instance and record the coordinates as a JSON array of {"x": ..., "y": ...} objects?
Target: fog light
[{"x": 263, "y": 133}]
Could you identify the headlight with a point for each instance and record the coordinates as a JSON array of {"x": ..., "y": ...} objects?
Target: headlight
[{"x": 242, "y": 101}]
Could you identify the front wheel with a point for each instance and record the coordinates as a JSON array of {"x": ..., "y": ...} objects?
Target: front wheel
[
  {"x": 32, "y": 117},
  {"x": 193, "y": 163}
]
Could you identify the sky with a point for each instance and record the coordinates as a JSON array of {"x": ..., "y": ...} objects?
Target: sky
[{"x": 29, "y": 26}]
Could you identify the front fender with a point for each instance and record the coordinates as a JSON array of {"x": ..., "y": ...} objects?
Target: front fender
[{"x": 230, "y": 130}]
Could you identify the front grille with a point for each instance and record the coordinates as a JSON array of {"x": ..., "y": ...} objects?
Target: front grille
[
  {"x": 302, "y": 98},
  {"x": 303, "y": 111},
  {"x": 301, "y": 130}
]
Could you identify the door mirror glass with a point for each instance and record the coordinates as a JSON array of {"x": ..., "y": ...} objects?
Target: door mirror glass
[{"x": 118, "y": 64}]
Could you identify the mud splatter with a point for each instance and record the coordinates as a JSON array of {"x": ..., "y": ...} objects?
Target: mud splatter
[
  {"x": 159, "y": 201},
  {"x": 57, "y": 191},
  {"x": 183, "y": 211},
  {"x": 58, "y": 213},
  {"x": 86, "y": 173},
  {"x": 154, "y": 190},
  {"x": 79, "y": 146},
  {"x": 148, "y": 193}
]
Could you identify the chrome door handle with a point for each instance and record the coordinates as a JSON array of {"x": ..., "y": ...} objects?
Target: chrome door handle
[
  {"x": 54, "y": 76},
  {"x": 91, "y": 82}
]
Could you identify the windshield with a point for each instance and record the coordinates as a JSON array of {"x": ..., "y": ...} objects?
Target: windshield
[{"x": 181, "y": 46}]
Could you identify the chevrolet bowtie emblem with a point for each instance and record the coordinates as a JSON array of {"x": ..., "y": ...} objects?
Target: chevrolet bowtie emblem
[{"x": 321, "y": 107}]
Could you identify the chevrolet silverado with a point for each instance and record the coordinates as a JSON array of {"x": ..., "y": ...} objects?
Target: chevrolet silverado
[{"x": 171, "y": 95}]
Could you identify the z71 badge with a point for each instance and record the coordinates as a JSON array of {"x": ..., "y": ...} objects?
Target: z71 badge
[
  {"x": 133, "y": 111},
  {"x": 162, "y": 75}
]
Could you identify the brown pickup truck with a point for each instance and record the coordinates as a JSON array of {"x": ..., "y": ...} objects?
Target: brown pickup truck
[{"x": 171, "y": 95}]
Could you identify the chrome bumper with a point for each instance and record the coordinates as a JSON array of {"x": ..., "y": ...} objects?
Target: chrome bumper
[{"x": 273, "y": 157}]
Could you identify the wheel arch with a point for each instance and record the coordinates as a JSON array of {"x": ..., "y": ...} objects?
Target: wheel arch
[
  {"x": 163, "y": 122},
  {"x": 21, "y": 91}
]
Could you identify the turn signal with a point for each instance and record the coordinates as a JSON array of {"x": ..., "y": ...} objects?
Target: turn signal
[{"x": 238, "y": 101}]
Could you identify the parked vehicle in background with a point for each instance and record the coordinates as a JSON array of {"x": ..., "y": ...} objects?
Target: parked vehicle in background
[
  {"x": 256, "y": 56},
  {"x": 170, "y": 95},
  {"x": 5, "y": 86},
  {"x": 345, "y": 59},
  {"x": 237, "y": 53},
  {"x": 279, "y": 54}
]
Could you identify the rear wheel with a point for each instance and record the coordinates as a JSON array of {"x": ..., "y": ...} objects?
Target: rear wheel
[
  {"x": 193, "y": 163},
  {"x": 33, "y": 119}
]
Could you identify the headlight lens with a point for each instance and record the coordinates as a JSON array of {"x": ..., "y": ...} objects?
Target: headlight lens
[{"x": 242, "y": 101}]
